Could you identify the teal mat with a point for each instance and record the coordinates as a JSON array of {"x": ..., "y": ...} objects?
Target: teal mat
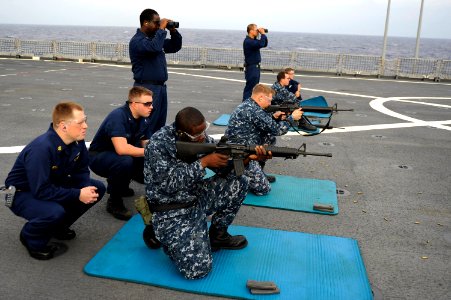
[
  {"x": 303, "y": 266},
  {"x": 223, "y": 120},
  {"x": 298, "y": 194},
  {"x": 316, "y": 101}
]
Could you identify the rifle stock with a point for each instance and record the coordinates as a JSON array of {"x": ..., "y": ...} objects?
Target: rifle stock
[{"x": 187, "y": 151}]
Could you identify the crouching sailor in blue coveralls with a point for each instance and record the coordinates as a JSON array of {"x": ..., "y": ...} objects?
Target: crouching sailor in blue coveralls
[
  {"x": 53, "y": 187},
  {"x": 117, "y": 150},
  {"x": 181, "y": 198}
]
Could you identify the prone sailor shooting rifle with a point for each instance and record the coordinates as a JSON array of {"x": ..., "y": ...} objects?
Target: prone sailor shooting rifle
[
  {"x": 289, "y": 107},
  {"x": 290, "y": 102}
]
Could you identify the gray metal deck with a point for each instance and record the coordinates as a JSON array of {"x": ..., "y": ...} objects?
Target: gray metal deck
[{"x": 392, "y": 162}]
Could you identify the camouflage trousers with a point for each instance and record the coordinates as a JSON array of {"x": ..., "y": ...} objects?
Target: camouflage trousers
[
  {"x": 184, "y": 232},
  {"x": 258, "y": 183}
]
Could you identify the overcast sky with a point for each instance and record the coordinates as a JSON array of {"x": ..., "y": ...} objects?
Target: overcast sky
[{"x": 363, "y": 17}]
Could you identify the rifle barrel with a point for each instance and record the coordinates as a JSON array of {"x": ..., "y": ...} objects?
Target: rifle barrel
[
  {"x": 315, "y": 154},
  {"x": 319, "y": 109},
  {"x": 328, "y": 109}
]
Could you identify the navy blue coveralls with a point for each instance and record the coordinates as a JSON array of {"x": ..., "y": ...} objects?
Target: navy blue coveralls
[
  {"x": 252, "y": 59},
  {"x": 48, "y": 176},
  {"x": 292, "y": 87},
  {"x": 105, "y": 162},
  {"x": 149, "y": 67}
]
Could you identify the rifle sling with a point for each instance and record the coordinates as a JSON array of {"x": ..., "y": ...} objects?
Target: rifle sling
[{"x": 324, "y": 128}]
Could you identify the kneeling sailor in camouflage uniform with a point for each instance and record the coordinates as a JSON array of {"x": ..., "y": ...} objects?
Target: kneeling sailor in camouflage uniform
[
  {"x": 251, "y": 124},
  {"x": 181, "y": 198}
]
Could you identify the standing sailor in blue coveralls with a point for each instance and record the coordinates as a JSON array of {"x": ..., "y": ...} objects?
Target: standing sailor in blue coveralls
[
  {"x": 252, "y": 57},
  {"x": 53, "y": 187},
  {"x": 117, "y": 150},
  {"x": 147, "y": 54}
]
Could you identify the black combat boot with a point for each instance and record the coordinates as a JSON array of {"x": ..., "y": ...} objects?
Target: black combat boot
[
  {"x": 115, "y": 206},
  {"x": 221, "y": 239},
  {"x": 270, "y": 178},
  {"x": 129, "y": 192},
  {"x": 51, "y": 250},
  {"x": 65, "y": 234},
  {"x": 149, "y": 237}
]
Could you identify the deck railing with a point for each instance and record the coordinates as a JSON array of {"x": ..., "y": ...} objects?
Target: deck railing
[{"x": 340, "y": 64}]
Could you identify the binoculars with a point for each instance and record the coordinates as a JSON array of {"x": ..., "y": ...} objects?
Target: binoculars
[{"x": 172, "y": 25}]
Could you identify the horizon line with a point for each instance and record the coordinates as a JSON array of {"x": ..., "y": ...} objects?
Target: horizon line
[{"x": 228, "y": 29}]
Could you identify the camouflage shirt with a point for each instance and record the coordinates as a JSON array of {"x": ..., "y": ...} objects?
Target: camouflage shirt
[
  {"x": 282, "y": 95},
  {"x": 167, "y": 178},
  {"x": 250, "y": 124}
]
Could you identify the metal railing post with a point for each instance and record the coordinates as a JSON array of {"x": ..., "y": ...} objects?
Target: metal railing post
[{"x": 17, "y": 46}]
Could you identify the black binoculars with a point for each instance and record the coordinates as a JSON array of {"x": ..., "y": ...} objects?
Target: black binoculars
[{"x": 172, "y": 25}]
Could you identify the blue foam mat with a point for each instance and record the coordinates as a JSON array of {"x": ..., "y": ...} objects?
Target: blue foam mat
[
  {"x": 303, "y": 266},
  {"x": 316, "y": 101},
  {"x": 223, "y": 120},
  {"x": 298, "y": 194}
]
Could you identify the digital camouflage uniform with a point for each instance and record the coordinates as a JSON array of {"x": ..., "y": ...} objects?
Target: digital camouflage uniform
[
  {"x": 282, "y": 95},
  {"x": 250, "y": 124},
  {"x": 184, "y": 232}
]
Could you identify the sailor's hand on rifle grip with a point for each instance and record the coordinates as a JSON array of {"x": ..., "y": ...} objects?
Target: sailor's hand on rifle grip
[
  {"x": 297, "y": 114},
  {"x": 214, "y": 160},
  {"x": 279, "y": 115}
]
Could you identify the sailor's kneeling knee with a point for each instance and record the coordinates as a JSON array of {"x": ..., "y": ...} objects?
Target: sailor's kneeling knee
[{"x": 197, "y": 272}]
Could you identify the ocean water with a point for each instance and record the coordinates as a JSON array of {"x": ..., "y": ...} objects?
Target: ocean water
[{"x": 397, "y": 47}]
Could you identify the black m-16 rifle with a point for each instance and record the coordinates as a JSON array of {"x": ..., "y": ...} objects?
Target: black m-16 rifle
[
  {"x": 288, "y": 108},
  {"x": 186, "y": 151}
]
